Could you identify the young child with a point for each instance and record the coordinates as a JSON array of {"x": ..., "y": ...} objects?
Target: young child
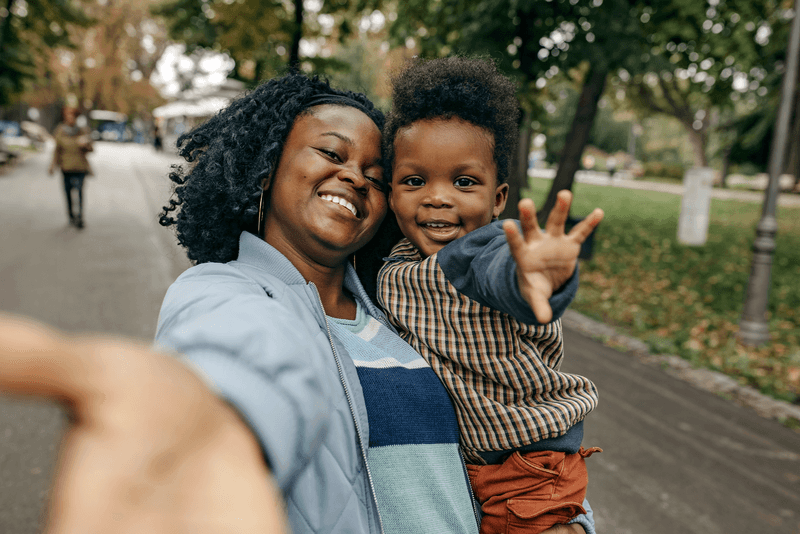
[{"x": 467, "y": 295}]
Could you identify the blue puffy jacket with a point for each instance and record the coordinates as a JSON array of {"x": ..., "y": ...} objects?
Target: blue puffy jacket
[{"x": 258, "y": 333}]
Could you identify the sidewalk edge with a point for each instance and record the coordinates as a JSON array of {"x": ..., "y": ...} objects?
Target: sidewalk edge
[{"x": 676, "y": 366}]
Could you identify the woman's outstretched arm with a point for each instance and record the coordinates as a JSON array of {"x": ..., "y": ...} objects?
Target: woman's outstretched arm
[{"x": 149, "y": 447}]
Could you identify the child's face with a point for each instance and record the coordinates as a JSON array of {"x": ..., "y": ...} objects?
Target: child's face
[{"x": 444, "y": 182}]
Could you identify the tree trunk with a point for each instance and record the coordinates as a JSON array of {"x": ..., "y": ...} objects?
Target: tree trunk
[
  {"x": 570, "y": 159},
  {"x": 793, "y": 155},
  {"x": 518, "y": 173},
  {"x": 698, "y": 141},
  {"x": 726, "y": 164},
  {"x": 5, "y": 25},
  {"x": 297, "y": 34}
]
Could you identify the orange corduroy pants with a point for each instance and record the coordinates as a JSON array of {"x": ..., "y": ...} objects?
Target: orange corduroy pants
[{"x": 530, "y": 492}]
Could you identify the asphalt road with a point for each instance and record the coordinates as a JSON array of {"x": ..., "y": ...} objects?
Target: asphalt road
[
  {"x": 109, "y": 277},
  {"x": 676, "y": 459}
]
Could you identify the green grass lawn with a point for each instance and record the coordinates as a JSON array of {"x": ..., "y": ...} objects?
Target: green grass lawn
[{"x": 687, "y": 300}]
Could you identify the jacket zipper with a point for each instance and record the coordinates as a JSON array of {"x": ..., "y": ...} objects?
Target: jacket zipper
[
  {"x": 472, "y": 499},
  {"x": 352, "y": 409}
]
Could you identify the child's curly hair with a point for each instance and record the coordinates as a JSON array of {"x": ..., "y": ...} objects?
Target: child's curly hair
[
  {"x": 230, "y": 156},
  {"x": 469, "y": 88}
]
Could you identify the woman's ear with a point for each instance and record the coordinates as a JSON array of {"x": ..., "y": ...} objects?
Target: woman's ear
[{"x": 500, "y": 198}]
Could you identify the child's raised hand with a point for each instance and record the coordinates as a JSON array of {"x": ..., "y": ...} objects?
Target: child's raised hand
[{"x": 546, "y": 260}]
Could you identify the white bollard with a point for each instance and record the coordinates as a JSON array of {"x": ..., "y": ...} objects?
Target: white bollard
[{"x": 696, "y": 205}]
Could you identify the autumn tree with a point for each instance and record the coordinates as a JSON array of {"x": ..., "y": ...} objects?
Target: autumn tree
[
  {"x": 29, "y": 30},
  {"x": 535, "y": 40},
  {"x": 111, "y": 65},
  {"x": 263, "y": 37},
  {"x": 710, "y": 62}
]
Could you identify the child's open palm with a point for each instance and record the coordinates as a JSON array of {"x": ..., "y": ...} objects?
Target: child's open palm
[{"x": 546, "y": 259}]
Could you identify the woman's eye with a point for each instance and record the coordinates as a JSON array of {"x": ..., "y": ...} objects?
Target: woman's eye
[
  {"x": 414, "y": 181},
  {"x": 377, "y": 182},
  {"x": 331, "y": 154},
  {"x": 464, "y": 182}
]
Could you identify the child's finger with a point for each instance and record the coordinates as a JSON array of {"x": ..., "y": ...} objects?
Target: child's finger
[
  {"x": 558, "y": 216},
  {"x": 582, "y": 230},
  {"x": 516, "y": 243},
  {"x": 527, "y": 218},
  {"x": 540, "y": 306}
]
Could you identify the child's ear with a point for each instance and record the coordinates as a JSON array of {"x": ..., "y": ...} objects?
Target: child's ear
[{"x": 500, "y": 198}]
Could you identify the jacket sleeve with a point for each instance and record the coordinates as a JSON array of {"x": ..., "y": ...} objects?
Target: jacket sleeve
[
  {"x": 257, "y": 355},
  {"x": 480, "y": 266}
]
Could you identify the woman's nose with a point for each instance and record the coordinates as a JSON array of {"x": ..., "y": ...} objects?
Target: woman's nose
[{"x": 353, "y": 176}]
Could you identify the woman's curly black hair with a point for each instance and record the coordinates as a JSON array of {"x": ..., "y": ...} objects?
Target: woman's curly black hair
[
  {"x": 470, "y": 88},
  {"x": 230, "y": 157}
]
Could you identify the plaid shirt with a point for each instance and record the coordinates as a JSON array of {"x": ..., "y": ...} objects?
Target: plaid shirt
[{"x": 501, "y": 374}]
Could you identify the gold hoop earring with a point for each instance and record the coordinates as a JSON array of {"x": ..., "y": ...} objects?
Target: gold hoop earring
[{"x": 262, "y": 215}]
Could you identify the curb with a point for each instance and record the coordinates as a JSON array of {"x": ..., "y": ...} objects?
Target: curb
[{"x": 676, "y": 366}]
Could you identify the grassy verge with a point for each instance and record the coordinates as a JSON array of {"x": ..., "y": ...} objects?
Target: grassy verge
[{"x": 688, "y": 300}]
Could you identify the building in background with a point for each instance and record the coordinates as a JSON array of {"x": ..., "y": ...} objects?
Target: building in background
[{"x": 192, "y": 108}]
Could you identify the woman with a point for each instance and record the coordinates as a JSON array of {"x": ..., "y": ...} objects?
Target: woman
[
  {"x": 285, "y": 186},
  {"x": 72, "y": 145}
]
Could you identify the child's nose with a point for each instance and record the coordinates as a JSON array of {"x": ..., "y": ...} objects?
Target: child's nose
[{"x": 438, "y": 197}]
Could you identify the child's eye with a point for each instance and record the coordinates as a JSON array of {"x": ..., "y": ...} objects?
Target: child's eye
[
  {"x": 414, "y": 181},
  {"x": 463, "y": 181}
]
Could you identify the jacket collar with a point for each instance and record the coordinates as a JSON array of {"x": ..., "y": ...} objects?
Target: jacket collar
[{"x": 260, "y": 255}]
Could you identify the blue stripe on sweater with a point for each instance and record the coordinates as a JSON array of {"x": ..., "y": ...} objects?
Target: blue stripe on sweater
[{"x": 407, "y": 406}]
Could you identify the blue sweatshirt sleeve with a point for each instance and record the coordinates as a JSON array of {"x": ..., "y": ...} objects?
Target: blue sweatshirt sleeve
[{"x": 480, "y": 266}]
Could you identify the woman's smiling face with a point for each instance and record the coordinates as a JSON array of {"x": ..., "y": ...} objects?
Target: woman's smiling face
[{"x": 327, "y": 199}]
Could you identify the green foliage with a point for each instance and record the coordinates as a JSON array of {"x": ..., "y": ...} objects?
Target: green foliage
[
  {"x": 609, "y": 134},
  {"x": 707, "y": 59},
  {"x": 364, "y": 77},
  {"x": 753, "y": 133},
  {"x": 688, "y": 300},
  {"x": 664, "y": 170},
  {"x": 532, "y": 40},
  {"x": 256, "y": 34},
  {"x": 259, "y": 35},
  {"x": 26, "y": 32}
]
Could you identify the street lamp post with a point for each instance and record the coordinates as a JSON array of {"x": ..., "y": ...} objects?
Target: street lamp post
[{"x": 753, "y": 328}]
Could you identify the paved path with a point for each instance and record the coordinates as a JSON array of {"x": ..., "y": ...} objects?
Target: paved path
[
  {"x": 602, "y": 178},
  {"x": 109, "y": 277},
  {"x": 680, "y": 460},
  {"x": 677, "y": 459}
]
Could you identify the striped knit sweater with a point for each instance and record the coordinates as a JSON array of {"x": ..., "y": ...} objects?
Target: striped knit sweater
[{"x": 418, "y": 472}]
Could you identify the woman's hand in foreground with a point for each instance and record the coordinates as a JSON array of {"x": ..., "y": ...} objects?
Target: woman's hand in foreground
[
  {"x": 149, "y": 447},
  {"x": 546, "y": 260}
]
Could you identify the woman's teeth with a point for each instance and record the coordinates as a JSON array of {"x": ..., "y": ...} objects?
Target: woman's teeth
[{"x": 341, "y": 202}]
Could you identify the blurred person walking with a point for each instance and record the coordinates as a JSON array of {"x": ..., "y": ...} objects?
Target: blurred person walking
[
  {"x": 72, "y": 144},
  {"x": 158, "y": 137}
]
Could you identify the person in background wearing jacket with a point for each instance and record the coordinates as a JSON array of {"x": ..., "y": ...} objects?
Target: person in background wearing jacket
[
  {"x": 72, "y": 144},
  {"x": 284, "y": 373}
]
